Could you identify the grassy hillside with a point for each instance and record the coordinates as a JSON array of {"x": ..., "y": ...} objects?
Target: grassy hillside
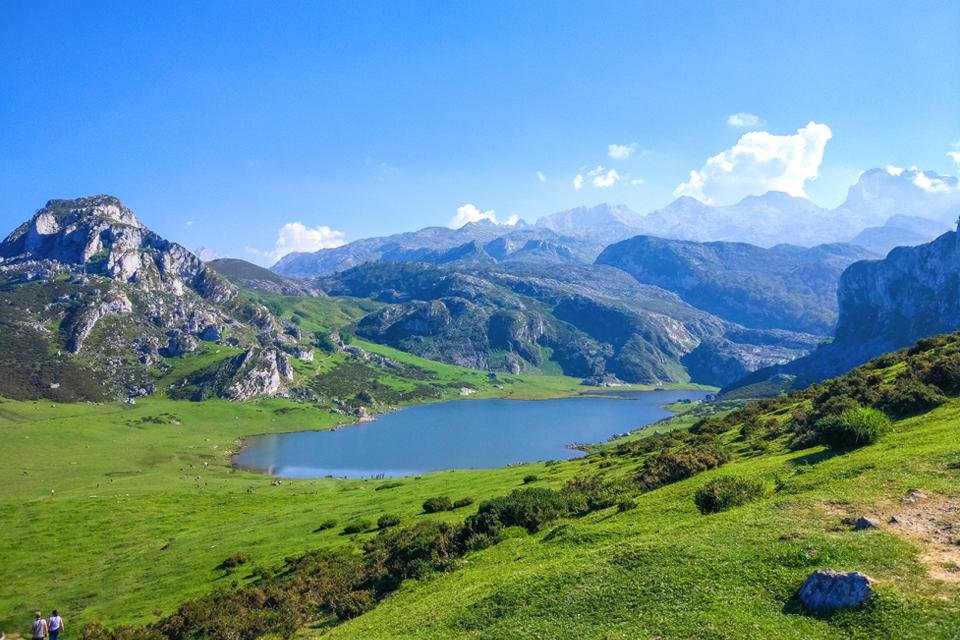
[{"x": 142, "y": 497}]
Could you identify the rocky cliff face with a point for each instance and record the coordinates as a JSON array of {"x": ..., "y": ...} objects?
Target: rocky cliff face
[
  {"x": 886, "y": 305},
  {"x": 912, "y": 293},
  {"x": 114, "y": 299}
]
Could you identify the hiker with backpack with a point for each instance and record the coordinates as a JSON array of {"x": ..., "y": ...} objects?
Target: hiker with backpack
[
  {"x": 55, "y": 625},
  {"x": 39, "y": 627}
]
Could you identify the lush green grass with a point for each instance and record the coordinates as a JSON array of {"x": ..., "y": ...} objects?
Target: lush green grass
[
  {"x": 105, "y": 517},
  {"x": 663, "y": 570}
]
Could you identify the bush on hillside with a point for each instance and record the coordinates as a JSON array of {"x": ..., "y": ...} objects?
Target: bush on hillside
[
  {"x": 527, "y": 508},
  {"x": 671, "y": 466},
  {"x": 437, "y": 504},
  {"x": 465, "y": 501},
  {"x": 352, "y": 604},
  {"x": 725, "y": 493},
  {"x": 358, "y": 526},
  {"x": 944, "y": 373},
  {"x": 910, "y": 396},
  {"x": 853, "y": 428},
  {"x": 233, "y": 561},
  {"x": 388, "y": 520},
  {"x": 329, "y": 523},
  {"x": 530, "y": 478}
]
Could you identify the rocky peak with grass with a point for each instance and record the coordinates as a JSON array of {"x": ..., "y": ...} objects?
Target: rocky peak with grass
[{"x": 97, "y": 294}]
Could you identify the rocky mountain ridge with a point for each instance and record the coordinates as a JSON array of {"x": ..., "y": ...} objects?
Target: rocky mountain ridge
[
  {"x": 588, "y": 321},
  {"x": 113, "y": 299},
  {"x": 885, "y": 208}
]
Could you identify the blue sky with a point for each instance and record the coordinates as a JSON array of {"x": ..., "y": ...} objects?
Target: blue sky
[{"x": 218, "y": 123}]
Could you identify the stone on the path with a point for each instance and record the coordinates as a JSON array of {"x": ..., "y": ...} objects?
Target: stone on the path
[
  {"x": 865, "y": 522},
  {"x": 827, "y": 590}
]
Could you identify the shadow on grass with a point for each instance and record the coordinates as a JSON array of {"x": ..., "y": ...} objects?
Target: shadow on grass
[{"x": 815, "y": 457}]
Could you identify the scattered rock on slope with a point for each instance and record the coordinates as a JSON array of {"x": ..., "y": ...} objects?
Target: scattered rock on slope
[{"x": 826, "y": 590}]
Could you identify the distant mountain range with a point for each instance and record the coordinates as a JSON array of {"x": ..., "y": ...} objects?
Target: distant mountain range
[
  {"x": 589, "y": 321},
  {"x": 884, "y": 209}
]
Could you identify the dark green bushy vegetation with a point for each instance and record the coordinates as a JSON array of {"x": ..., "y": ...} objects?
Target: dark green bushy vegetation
[
  {"x": 725, "y": 493},
  {"x": 437, "y": 504},
  {"x": 854, "y": 427}
]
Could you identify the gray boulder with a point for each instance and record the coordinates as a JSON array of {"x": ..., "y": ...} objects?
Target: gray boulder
[
  {"x": 865, "y": 522},
  {"x": 210, "y": 333},
  {"x": 826, "y": 590},
  {"x": 179, "y": 345}
]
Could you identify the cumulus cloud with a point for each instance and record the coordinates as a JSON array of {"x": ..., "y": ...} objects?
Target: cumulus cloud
[
  {"x": 935, "y": 184},
  {"x": 604, "y": 179},
  {"x": 578, "y": 182},
  {"x": 955, "y": 156},
  {"x": 892, "y": 170},
  {"x": 468, "y": 213},
  {"x": 621, "y": 151},
  {"x": 541, "y": 176},
  {"x": 296, "y": 236},
  {"x": 760, "y": 162},
  {"x": 637, "y": 182},
  {"x": 744, "y": 120}
]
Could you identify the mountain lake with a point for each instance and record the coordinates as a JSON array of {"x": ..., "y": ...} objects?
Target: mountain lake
[{"x": 459, "y": 434}]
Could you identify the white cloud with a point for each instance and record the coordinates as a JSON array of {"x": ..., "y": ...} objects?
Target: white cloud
[
  {"x": 955, "y": 155},
  {"x": 621, "y": 151},
  {"x": 637, "y": 182},
  {"x": 604, "y": 180},
  {"x": 541, "y": 176},
  {"x": 892, "y": 170},
  {"x": 188, "y": 223},
  {"x": 578, "y": 182},
  {"x": 931, "y": 185},
  {"x": 296, "y": 236},
  {"x": 745, "y": 120},
  {"x": 760, "y": 162},
  {"x": 468, "y": 213}
]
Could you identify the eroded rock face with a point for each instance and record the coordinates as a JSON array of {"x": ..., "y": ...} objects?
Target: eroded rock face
[
  {"x": 261, "y": 372},
  {"x": 826, "y": 590},
  {"x": 179, "y": 345},
  {"x": 87, "y": 318}
]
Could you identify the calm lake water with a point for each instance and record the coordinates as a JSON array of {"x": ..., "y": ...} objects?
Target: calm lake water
[{"x": 459, "y": 434}]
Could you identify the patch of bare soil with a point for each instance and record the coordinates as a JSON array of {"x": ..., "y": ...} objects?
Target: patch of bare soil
[{"x": 934, "y": 522}]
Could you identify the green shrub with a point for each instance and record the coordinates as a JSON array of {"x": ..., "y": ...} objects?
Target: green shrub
[
  {"x": 721, "y": 494},
  {"x": 853, "y": 428},
  {"x": 437, "y": 504},
  {"x": 910, "y": 396},
  {"x": 358, "y": 526},
  {"x": 944, "y": 373},
  {"x": 671, "y": 466},
  {"x": 466, "y": 501},
  {"x": 387, "y": 485},
  {"x": 232, "y": 562},
  {"x": 626, "y": 504},
  {"x": 329, "y": 523},
  {"x": 527, "y": 508},
  {"x": 353, "y": 604},
  {"x": 388, "y": 520},
  {"x": 530, "y": 478}
]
